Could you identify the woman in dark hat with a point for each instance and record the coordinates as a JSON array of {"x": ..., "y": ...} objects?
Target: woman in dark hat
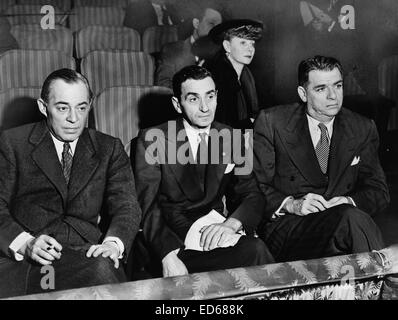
[{"x": 237, "y": 100}]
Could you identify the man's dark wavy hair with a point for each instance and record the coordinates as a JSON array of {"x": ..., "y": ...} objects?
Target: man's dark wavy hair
[
  {"x": 67, "y": 75},
  {"x": 190, "y": 72},
  {"x": 316, "y": 63}
]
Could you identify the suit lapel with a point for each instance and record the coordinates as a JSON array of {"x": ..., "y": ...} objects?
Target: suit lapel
[
  {"x": 185, "y": 174},
  {"x": 45, "y": 157},
  {"x": 299, "y": 146},
  {"x": 84, "y": 165},
  {"x": 342, "y": 150}
]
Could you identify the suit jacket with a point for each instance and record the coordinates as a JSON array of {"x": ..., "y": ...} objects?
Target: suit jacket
[
  {"x": 237, "y": 100},
  {"x": 140, "y": 15},
  {"x": 35, "y": 198},
  {"x": 171, "y": 195},
  {"x": 285, "y": 162}
]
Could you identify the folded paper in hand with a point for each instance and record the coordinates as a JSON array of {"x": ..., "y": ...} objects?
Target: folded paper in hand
[{"x": 192, "y": 239}]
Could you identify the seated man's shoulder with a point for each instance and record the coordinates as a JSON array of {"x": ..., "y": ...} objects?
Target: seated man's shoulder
[
  {"x": 172, "y": 49},
  {"x": 280, "y": 113},
  {"x": 355, "y": 118},
  {"x": 20, "y": 133}
]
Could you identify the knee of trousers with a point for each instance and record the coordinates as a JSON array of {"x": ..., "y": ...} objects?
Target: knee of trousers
[
  {"x": 103, "y": 269},
  {"x": 352, "y": 215},
  {"x": 255, "y": 249}
]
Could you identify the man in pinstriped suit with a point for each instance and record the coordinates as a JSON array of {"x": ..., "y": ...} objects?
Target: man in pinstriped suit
[{"x": 318, "y": 168}]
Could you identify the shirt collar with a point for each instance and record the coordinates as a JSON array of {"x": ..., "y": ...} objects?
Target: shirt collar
[
  {"x": 59, "y": 146},
  {"x": 313, "y": 124},
  {"x": 194, "y": 132}
]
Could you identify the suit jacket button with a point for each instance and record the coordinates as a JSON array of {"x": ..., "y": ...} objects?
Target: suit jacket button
[{"x": 292, "y": 178}]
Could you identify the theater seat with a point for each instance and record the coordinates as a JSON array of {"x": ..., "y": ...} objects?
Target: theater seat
[
  {"x": 93, "y": 38},
  {"x": 117, "y": 110},
  {"x": 31, "y": 14},
  {"x": 105, "y": 69},
  {"x": 5, "y": 4},
  {"x": 106, "y": 16},
  {"x": 29, "y": 68},
  {"x": 62, "y": 4},
  {"x": 32, "y": 36},
  {"x": 155, "y": 37},
  {"x": 18, "y": 106},
  {"x": 100, "y": 3}
]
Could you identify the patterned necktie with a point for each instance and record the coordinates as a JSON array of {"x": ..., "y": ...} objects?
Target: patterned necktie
[
  {"x": 66, "y": 161},
  {"x": 322, "y": 148},
  {"x": 202, "y": 157}
]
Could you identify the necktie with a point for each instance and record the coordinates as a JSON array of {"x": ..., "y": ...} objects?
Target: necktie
[
  {"x": 202, "y": 158},
  {"x": 66, "y": 161},
  {"x": 322, "y": 148}
]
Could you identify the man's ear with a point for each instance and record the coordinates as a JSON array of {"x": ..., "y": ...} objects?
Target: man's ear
[
  {"x": 42, "y": 107},
  {"x": 176, "y": 104},
  {"x": 302, "y": 93},
  {"x": 227, "y": 46}
]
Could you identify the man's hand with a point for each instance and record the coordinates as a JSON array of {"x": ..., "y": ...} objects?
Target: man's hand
[
  {"x": 43, "y": 249},
  {"x": 107, "y": 249},
  {"x": 310, "y": 203},
  {"x": 214, "y": 235},
  {"x": 173, "y": 266},
  {"x": 338, "y": 200}
]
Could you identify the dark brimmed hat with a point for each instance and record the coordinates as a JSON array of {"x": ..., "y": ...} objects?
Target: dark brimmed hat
[{"x": 217, "y": 33}]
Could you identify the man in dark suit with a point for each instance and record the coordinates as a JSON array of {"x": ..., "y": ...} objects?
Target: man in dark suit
[
  {"x": 176, "y": 55},
  {"x": 176, "y": 189},
  {"x": 317, "y": 165},
  {"x": 58, "y": 179},
  {"x": 142, "y": 14}
]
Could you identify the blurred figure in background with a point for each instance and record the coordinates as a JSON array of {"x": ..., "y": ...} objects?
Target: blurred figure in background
[{"x": 7, "y": 41}]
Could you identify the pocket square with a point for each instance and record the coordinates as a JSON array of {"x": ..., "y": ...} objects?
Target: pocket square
[
  {"x": 355, "y": 161},
  {"x": 230, "y": 167}
]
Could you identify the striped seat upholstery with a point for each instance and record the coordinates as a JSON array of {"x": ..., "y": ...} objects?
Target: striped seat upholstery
[
  {"x": 18, "y": 106},
  {"x": 29, "y": 68},
  {"x": 94, "y": 38},
  {"x": 106, "y": 69},
  {"x": 32, "y": 36},
  {"x": 5, "y": 4},
  {"x": 31, "y": 14},
  {"x": 388, "y": 86},
  {"x": 155, "y": 37},
  {"x": 64, "y": 5},
  {"x": 106, "y": 16},
  {"x": 116, "y": 110},
  {"x": 101, "y": 3}
]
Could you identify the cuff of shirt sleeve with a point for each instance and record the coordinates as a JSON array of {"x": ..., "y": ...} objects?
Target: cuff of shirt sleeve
[
  {"x": 18, "y": 243},
  {"x": 119, "y": 244},
  {"x": 278, "y": 212}
]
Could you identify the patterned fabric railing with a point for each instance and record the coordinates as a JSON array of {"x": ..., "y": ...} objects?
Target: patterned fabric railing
[
  {"x": 357, "y": 276},
  {"x": 29, "y": 68},
  {"x": 105, "y": 69},
  {"x": 62, "y": 4},
  {"x": 32, "y": 36},
  {"x": 388, "y": 85},
  {"x": 18, "y": 106},
  {"x": 94, "y": 38},
  {"x": 31, "y": 14},
  {"x": 101, "y": 3},
  {"x": 117, "y": 110},
  {"x": 155, "y": 37},
  {"x": 106, "y": 16}
]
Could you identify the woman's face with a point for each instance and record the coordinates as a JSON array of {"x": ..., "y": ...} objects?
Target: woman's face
[{"x": 240, "y": 50}]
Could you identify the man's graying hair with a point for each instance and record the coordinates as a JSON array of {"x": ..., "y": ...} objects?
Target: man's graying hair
[
  {"x": 67, "y": 75},
  {"x": 316, "y": 63}
]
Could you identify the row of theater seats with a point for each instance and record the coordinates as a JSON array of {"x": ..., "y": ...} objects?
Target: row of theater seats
[
  {"x": 65, "y": 4},
  {"x": 75, "y": 19},
  {"x": 93, "y": 37},
  {"x": 118, "y": 111}
]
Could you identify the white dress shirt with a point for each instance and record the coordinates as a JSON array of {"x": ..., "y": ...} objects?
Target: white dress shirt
[
  {"x": 24, "y": 237},
  {"x": 193, "y": 136}
]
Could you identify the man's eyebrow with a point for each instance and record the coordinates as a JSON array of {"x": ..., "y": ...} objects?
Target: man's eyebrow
[
  {"x": 211, "y": 91},
  {"x": 191, "y": 94},
  {"x": 67, "y": 103}
]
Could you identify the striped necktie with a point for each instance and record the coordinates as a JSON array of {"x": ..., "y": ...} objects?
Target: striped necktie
[
  {"x": 202, "y": 157},
  {"x": 67, "y": 161},
  {"x": 322, "y": 148}
]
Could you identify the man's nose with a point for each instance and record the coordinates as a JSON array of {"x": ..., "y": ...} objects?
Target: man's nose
[
  {"x": 203, "y": 106},
  {"x": 72, "y": 116},
  {"x": 331, "y": 93}
]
